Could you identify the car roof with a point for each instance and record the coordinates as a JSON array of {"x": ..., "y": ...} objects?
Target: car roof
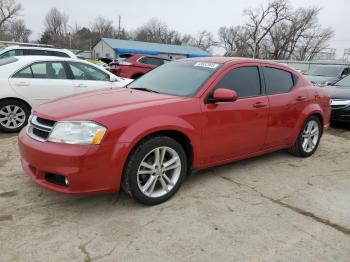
[
  {"x": 32, "y": 58},
  {"x": 35, "y": 47},
  {"x": 231, "y": 60},
  {"x": 337, "y": 66},
  {"x": 142, "y": 55}
]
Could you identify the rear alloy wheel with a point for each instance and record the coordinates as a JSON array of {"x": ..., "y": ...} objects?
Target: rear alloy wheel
[
  {"x": 309, "y": 138},
  {"x": 14, "y": 115},
  {"x": 155, "y": 170}
]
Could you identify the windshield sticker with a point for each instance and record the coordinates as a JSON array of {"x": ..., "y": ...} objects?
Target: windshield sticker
[{"x": 208, "y": 65}]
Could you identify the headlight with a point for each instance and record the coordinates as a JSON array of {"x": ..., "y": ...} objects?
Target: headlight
[{"x": 77, "y": 132}]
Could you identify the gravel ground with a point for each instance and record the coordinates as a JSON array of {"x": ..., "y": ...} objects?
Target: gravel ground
[{"x": 270, "y": 208}]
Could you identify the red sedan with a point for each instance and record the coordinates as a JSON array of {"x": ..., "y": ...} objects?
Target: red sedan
[
  {"x": 134, "y": 66},
  {"x": 185, "y": 115}
]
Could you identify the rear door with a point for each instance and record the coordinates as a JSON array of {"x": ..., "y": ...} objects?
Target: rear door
[
  {"x": 234, "y": 129},
  {"x": 286, "y": 104},
  {"x": 42, "y": 81},
  {"x": 87, "y": 77}
]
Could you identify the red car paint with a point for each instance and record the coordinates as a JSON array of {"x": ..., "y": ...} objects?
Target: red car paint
[
  {"x": 133, "y": 67},
  {"x": 219, "y": 133}
]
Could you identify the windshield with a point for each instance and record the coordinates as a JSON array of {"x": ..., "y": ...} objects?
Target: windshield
[
  {"x": 344, "y": 83},
  {"x": 177, "y": 78},
  {"x": 327, "y": 71}
]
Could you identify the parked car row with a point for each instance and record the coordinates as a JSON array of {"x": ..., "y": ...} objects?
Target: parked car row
[
  {"x": 27, "y": 81},
  {"x": 133, "y": 65},
  {"x": 145, "y": 138},
  {"x": 323, "y": 75}
]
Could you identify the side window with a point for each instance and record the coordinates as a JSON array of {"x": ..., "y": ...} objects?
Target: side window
[
  {"x": 8, "y": 54},
  {"x": 277, "y": 80},
  {"x": 24, "y": 73},
  {"x": 346, "y": 71},
  {"x": 39, "y": 70},
  {"x": 37, "y": 52},
  {"x": 86, "y": 72},
  {"x": 154, "y": 61},
  {"x": 244, "y": 80},
  {"x": 19, "y": 52},
  {"x": 49, "y": 70},
  {"x": 56, "y": 70},
  {"x": 143, "y": 60},
  {"x": 56, "y": 53}
]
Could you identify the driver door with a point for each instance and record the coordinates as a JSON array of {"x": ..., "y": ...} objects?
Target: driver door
[{"x": 234, "y": 129}]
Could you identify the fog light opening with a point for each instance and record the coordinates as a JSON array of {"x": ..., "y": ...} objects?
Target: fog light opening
[{"x": 66, "y": 182}]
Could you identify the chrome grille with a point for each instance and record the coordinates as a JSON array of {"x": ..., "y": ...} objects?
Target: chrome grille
[
  {"x": 340, "y": 103},
  {"x": 39, "y": 128}
]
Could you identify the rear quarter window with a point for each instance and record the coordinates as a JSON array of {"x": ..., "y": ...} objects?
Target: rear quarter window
[{"x": 277, "y": 80}]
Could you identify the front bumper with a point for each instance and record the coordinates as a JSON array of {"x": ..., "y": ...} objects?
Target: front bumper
[
  {"x": 88, "y": 169},
  {"x": 340, "y": 110},
  {"x": 341, "y": 115}
]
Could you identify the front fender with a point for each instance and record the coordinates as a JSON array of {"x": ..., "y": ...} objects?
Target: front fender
[{"x": 144, "y": 127}]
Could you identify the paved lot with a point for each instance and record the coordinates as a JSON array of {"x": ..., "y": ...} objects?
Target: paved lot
[{"x": 271, "y": 208}]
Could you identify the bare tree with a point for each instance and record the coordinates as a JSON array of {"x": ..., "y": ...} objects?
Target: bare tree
[
  {"x": 157, "y": 32},
  {"x": 103, "y": 27},
  {"x": 286, "y": 35},
  {"x": 19, "y": 32},
  {"x": 313, "y": 44},
  {"x": 234, "y": 40},
  {"x": 204, "y": 40},
  {"x": 262, "y": 20},
  {"x": 277, "y": 31},
  {"x": 9, "y": 9},
  {"x": 56, "y": 24}
]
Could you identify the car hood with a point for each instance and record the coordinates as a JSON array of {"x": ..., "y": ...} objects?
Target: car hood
[
  {"x": 339, "y": 93},
  {"x": 320, "y": 79},
  {"x": 95, "y": 104}
]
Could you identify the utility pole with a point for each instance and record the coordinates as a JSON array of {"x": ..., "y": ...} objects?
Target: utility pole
[
  {"x": 119, "y": 22},
  {"x": 70, "y": 40}
]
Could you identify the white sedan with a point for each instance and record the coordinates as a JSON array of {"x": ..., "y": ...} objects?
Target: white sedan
[{"x": 27, "y": 81}]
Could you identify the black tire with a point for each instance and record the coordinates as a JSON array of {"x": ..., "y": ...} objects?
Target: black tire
[
  {"x": 13, "y": 103},
  {"x": 130, "y": 177},
  {"x": 297, "y": 149}
]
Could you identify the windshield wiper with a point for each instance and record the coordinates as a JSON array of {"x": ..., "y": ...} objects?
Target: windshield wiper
[{"x": 145, "y": 89}]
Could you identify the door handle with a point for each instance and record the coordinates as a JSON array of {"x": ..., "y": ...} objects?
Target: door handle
[
  {"x": 81, "y": 85},
  {"x": 259, "y": 105},
  {"x": 300, "y": 98},
  {"x": 22, "y": 84}
]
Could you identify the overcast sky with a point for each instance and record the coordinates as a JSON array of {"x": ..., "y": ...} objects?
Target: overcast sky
[{"x": 186, "y": 16}]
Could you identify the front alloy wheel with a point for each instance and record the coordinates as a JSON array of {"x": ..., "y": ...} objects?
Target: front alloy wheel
[
  {"x": 13, "y": 115},
  {"x": 159, "y": 172},
  {"x": 155, "y": 170}
]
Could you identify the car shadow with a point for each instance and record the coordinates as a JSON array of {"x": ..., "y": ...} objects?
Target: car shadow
[
  {"x": 340, "y": 129},
  {"x": 121, "y": 201}
]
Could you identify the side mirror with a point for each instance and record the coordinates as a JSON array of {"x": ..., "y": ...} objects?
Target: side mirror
[
  {"x": 113, "y": 78},
  {"x": 223, "y": 95}
]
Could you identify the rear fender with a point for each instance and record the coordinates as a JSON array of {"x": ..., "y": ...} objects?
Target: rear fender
[{"x": 308, "y": 111}]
